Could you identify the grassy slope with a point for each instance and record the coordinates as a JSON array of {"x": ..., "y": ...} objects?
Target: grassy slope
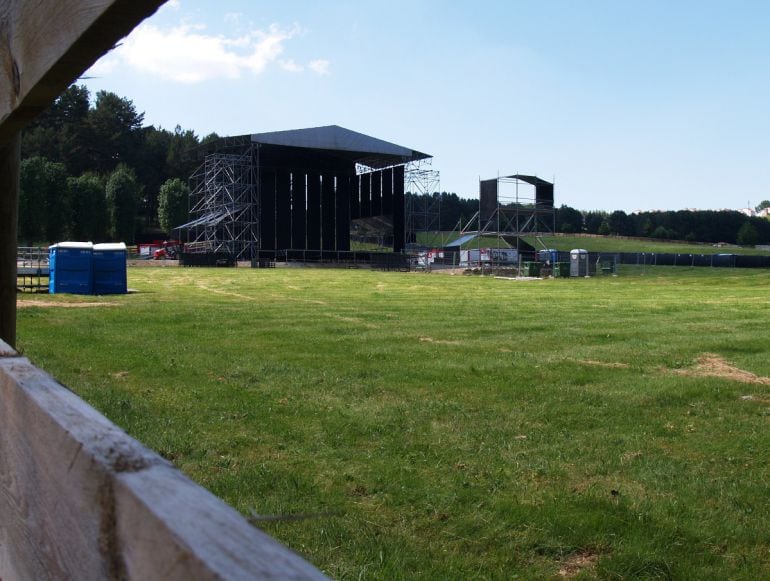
[
  {"x": 448, "y": 427},
  {"x": 616, "y": 244},
  {"x": 601, "y": 244}
]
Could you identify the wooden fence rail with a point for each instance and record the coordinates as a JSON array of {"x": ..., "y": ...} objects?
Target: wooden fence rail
[{"x": 80, "y": 499}]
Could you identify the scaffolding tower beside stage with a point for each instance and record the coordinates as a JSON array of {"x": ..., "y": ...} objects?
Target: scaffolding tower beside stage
[
  {"x": 509, "y": 205},
  {"x": 508, "y": 209},
  {"x": 423, "y": 208},
  {"x": 223, "y": 205}
]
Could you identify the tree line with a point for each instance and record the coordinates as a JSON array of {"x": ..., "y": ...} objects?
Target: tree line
[
  {"x": 687, "y": 225},
  {"x": 453, "y": 211},
  {"x": 91, "y": 171}
]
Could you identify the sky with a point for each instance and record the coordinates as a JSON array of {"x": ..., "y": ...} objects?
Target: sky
[{"x": 625, "y": 104}]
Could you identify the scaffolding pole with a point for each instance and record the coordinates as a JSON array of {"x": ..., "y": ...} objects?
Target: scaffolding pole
[{"x": 422, "y": 205}]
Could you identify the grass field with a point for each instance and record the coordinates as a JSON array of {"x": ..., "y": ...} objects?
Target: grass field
[{"x": 448, "y": 427}]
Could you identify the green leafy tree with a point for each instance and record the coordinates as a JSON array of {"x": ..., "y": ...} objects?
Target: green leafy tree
[
  {"x": 44, "y": 208},
  {"x": 95, "y": 136},
  {"x": 115, "y": 130},
  {"x": 152, "y": 170},
  {"x": 604, "y": 228},
  {"x": 172, "y": 204},
  {"x": 89, "y": 208},
  {"x": 661, "y": 233},
  {"x": 762, "y": 205},
  {"x": 209, "y": 138},
  {"x": 747, "y": 235},
  {"x": 74, "y": 139},
  {"x": 568, "y": 219},
  {"x": 122, "y": 203},
  {"x": 644, "y": 226},
  {"x": 61, "y": 132},
  {"x": 620, "y": 223},
  {"x": 593, "y": 221},
  {"x": 179, "y": 162}
]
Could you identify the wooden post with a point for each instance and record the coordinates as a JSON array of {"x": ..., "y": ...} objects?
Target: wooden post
[
  {"x": 9, "y": 198},
  {"x": 44, "y": 46}
]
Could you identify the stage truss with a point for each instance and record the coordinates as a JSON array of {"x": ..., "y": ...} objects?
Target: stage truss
[
  {"x": 512, "y": 210},
  {"x": 223, "y": 205},
  {"x": 422, "y": 208},
  {"x": 518, "y": 210}
]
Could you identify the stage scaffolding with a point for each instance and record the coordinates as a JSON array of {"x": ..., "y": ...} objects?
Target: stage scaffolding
[
  {"x": 512, "y": 206},
  {"x": 295, "y": 190},
  {"x": 520, "y": 209},
  {"x": 223, "y": 205},
  {"x": 423, "y": 208}
]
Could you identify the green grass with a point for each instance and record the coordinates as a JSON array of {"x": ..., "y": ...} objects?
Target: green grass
[{"x": 448, "y": 427}]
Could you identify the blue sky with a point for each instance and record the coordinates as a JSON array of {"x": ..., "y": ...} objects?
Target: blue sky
[{"x": 626, "y": 104}]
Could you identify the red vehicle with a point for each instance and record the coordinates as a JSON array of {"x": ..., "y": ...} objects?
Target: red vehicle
[{"x": 170, "y": 249}]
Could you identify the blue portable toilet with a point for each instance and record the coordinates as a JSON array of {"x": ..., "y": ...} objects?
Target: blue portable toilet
[
  {"x": 71, "y": 268},
  {"x": 548, "y": 255},
  {"x": 110, "y": 269}
]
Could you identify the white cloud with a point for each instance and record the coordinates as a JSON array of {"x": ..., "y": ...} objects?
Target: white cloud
[
  {"x": 268, "y": 46},
  {"x": 187, "y": 54},
  {"x": 291, "y": 66},
  {"x": 319, "y": 66}
]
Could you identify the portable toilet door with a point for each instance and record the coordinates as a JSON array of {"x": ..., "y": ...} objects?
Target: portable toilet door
[
  {"x": 578, "y": 262},
  {"x": 110, "y": 269},
  {"x": 71, "y": 268}
]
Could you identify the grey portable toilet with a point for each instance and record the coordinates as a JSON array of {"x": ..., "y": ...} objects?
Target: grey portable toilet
[{"x": 578, "y": 262}]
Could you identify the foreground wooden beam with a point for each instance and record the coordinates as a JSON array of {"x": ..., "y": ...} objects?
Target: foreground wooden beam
[
  {"x": 45, "y": 46},
  {"x": 79, "y": 499}
]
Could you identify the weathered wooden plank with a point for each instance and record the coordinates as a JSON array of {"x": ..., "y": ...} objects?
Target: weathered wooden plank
[
  {"x": 45, "y": 46},
  {"x": 9, "y": 201},
  {"x": 79, "y": 499},
  {"x": 201, "y": 536}
]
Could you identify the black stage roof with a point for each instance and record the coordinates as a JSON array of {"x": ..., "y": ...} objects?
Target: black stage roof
[
  {"x": 331, "y": 140},
  {"x": 534, "y": 180}
]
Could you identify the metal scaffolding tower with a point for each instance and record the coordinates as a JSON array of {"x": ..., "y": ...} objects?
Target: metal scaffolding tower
[
  {"x": 519, "y": 209},
  {"x": 224, "y": 205},
  {"x": 423, "y": 204}
]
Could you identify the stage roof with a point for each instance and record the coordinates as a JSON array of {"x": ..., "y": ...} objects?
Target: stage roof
[
  {"x": 534, "y": 180},
  {"x": 342, "y": 143},
  {"x": 330, "y": 141}
]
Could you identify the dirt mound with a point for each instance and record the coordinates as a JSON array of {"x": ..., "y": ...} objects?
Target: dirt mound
[
  {"x": 711, "y": 365},
  {"x": 577, "y": 563}
]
